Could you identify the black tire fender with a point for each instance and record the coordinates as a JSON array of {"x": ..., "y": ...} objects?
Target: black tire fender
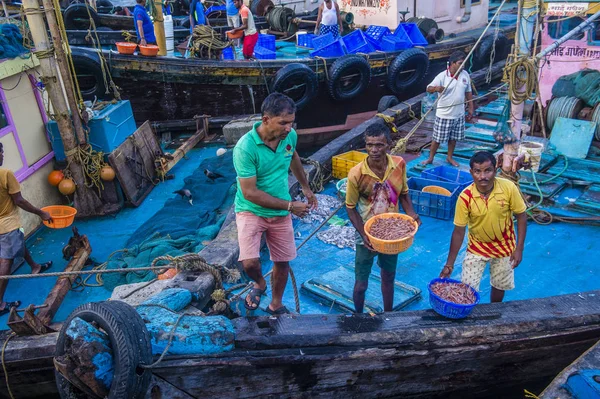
[
  {"x": 483, "y": 53},
  {"x": 343, "y": 67},
  {"x": 415, "y": 60},
  {"x": 104, "y": 4},
  {"x": 387, "y": 102},
  {"x": 88, "y": 62},
  {"x": 129, "y": 340},
  {"x": 79, "y": 11},
  {"x": 294, "y": 76}
]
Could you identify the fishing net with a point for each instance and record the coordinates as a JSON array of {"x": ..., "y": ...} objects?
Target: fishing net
[
  {"x": 583, "y": 84},
  {"x": 503, "y": 133},
  {"x": 179, "y": 227},
  {"x": 11, "y": 41}
]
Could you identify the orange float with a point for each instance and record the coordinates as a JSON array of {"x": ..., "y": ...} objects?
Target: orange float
[
  {"x": 55, "y": 177},
  {"x": 169, "y": 274},
  {"x": 66, "y": 186},
  {"x": 107, "y": 173}
]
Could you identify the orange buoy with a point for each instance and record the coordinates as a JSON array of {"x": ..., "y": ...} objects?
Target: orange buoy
[
  {"x": 66, "y": 186},
  {"x": 169, "y": 274},
  {"x": 55, "y": 177},
  {"x": 107, "y": 173}
]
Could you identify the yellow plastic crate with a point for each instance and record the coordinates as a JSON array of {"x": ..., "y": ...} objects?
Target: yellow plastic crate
[{"x": 341, "y": 164}]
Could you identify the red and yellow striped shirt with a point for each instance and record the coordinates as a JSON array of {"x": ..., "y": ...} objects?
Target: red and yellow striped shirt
[{"x": 490, "y": 221}]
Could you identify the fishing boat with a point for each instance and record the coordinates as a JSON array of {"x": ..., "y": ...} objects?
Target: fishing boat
[
  {"x": 325, "y": 88},
  {"x": 580, "y": 380}
]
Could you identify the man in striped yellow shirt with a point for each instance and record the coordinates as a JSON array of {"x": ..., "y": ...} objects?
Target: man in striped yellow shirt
[{"x": 487, "y": 207}]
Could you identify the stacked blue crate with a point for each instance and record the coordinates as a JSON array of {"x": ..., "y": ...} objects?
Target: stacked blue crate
[
  {"x": 306, "y": 40},
  {"x": 319, "y": 42},
  {"x": 356, "y": 42},
  {"x": 335, "y": 49},
  {"x": 429, "y": 204},
  {"x": 377, "y": 32},
  {"x": 393, "y": 43},
  {"x": 262, "y": 53},
  {"x": 414, "y": 34},
  {"x": 227, "y": 54},
  {"x": 266, "y": 41}
]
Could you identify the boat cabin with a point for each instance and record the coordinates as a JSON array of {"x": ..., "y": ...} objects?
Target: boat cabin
[{"x": 23, "y": 117}]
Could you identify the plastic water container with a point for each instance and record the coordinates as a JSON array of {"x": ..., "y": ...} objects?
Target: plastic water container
[
  {"x": 262, "y": 53},
  {"x": 169, "y": 37},
  {"x": 227, "y": 54},
  {"x": 426, "y": 104},
  {"x": 356, "y": 42},
  {"x": 415, "y": 35},
  {"x": 335, "y": 49},
  {"x": 377, "y": 32},
  {"x": 305, "y": 39},
  {"x": 266, "y": 41},
  {"x": 393, "y": 43},
  {"x": 322, "y": 41}
]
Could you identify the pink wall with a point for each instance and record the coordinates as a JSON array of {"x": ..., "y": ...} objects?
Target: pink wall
[{"x": 570, "y": 57}]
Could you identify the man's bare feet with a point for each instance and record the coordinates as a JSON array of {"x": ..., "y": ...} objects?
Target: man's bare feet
[
  {"x": 427, "y": 162},
  {"x": 451, "y": 161}
]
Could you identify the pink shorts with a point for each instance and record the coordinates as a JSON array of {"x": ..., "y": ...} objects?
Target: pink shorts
[{"x": 279, "y": 233}]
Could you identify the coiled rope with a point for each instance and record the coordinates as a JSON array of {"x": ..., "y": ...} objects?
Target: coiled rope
[{"x": 206, "y": 42}]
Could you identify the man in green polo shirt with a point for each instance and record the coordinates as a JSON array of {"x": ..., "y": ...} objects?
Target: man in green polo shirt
[{"x": 262, "y": 158}]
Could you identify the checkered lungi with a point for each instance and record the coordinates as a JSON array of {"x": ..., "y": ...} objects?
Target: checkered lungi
[
  {"x": 449, "y": 129},
  {"x": 333, "y": 29}
]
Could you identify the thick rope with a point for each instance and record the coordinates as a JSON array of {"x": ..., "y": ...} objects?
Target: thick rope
[
  {"x": 317, "y": 183},
  {"x": 206, "y": 40},
  {"x": 12, "y": 334}
]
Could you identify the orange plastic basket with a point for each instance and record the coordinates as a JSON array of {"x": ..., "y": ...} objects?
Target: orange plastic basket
[
  {"x": 235, "y": 35},
  {"x": 390, "y": 247},
  {"x": 62, "y": 216},
  {"x": 149, "y": 50},
  {"x": 436, "y": 190},
  {"x": 125, "y": 47}
]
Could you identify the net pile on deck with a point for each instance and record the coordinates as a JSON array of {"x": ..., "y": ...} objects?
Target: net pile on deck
[
  {"x": 206, "y": 43},
  {"x": 179, "y": 227}
]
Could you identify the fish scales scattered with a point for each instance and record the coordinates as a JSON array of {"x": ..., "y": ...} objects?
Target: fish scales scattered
[
  {"x": 340, "y": 236},
  {"x": 391, "y": 228},
  {"x": 327, "y": 204},
  {"x": 458, "y": 293}
]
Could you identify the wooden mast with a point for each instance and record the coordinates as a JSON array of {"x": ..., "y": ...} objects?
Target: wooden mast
[
  {"x": 159, "y": 28},
  {"x": 86, "y": 201}
]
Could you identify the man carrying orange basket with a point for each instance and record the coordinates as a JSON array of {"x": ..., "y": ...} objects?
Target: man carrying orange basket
[
  {"x": 12, "y": 239},
  {"x": 376, "y": 185},
  {"x": 487, "y": 207}
]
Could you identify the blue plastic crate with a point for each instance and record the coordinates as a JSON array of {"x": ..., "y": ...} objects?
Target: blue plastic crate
[
  {"x": 262, "y": 53},
  {"x": 449, "y": 309},
  {"x": 321, "y": 41},
  {"x": 374, "y": 43},
  {"x": 356, "y": 42},
  {"x": 306, "y": 40},
  {"x": 448, "y": 174},
  {"x": 335, "y": 49},
  {"x": 433, "y": 205},
  {"x": 227, "y": 54},
  {"x": 377, "y": 32},
  {"x": 401, "y": 34},
  {"x": 393, "y": 43},
  {"x": 266, "y": 41},
  {"x": 214, "y": 8},
  {"x": 415, "y": 35}
]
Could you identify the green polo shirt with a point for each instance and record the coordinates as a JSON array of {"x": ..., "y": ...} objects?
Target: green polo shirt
[{"x": 252, "y": 157}]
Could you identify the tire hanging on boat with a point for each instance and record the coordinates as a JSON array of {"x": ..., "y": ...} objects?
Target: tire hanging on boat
[
  {"x": 483, "y": 53},
  {"x": 75, "y": 14},
  {"x": 387, "y": 102},
  {"x": 298, "y": 82},
  {"x": 130, "y": 344},
  {"x": 407, "y": 70},
  {"x": 104, "y": 4},
  {"x": 90, "y": 76},
  {"x": 348, "y": 77}
]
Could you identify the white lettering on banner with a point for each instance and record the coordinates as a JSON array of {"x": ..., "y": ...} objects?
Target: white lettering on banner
[{"x": 566, "y": 9}]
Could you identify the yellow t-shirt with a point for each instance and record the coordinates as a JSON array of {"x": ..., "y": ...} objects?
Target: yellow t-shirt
[
  {"x": 490, "y": 222},
  {"x": 9, "y": 212},
  {"x": 372, "y": 195}
]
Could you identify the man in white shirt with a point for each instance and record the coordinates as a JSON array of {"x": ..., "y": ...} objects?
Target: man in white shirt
[{"x": 450, "y": 113}]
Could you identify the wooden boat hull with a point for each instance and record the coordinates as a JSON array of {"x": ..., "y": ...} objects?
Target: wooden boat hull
[
  {"x": 498, "y": 351},
  {"x": 174, "y": 88}
]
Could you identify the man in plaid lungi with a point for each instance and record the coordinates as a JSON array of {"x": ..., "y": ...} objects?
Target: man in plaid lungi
[{"x": 450, "y": 113}]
